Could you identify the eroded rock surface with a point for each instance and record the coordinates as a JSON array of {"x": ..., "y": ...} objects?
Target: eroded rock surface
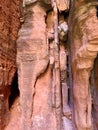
[
  {"x": 84, "y": 49},
  {"x": 9, "y": 26},
  {"x": 56, "y": 87},
  {"x": 33, "y": 61},
  {"x": 39, "y": 70}
]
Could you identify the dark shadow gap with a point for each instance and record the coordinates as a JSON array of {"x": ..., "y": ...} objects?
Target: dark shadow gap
[
  {"x": 14, "y": 90},
  {"x": 69, "y": 82},
  {"x": 94, "y": 93},
  {"x": 97, "y": 11}
]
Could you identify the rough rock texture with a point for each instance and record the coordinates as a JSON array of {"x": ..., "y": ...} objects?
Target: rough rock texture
[
  {"x": 56, "y": 87},
  {"x": 63, "y": 4},
  {"x": 33, "y": 62},
  {"x": 84, "y": 49},
  {"x": 39, "y": 79},
  {"x": 9, "y": 26}
]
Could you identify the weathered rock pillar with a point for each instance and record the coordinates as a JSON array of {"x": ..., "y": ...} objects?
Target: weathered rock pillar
[
  {"x": 32, "y": 60},
  {"x": 83, "y": 35}
]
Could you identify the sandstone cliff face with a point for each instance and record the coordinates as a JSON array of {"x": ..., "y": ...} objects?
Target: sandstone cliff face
[
  {"x": 84, "y": 49},
  {"x": 9, "y": 26},
  {"x": 32, "y": 60},
  {"x": 57, "y": 64}
]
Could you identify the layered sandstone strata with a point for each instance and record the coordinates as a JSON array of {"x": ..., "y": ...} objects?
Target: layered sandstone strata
[
  {"x": 84, "y": 48},
  {"x": 9, "y": 26}
]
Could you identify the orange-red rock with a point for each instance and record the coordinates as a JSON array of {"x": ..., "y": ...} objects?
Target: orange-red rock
[
  {"x": 57, "y": 85},
  {"x": 9, "y": 26}
]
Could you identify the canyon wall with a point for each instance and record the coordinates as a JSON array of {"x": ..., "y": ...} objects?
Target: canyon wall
[
  {"x": 9, "y": 27},
  {"x": 49, "y": 65},
  {"x": 83, "y": 35}
]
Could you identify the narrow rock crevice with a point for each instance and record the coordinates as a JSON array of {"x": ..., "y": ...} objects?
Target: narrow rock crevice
[{"x": 14, "y": 91}]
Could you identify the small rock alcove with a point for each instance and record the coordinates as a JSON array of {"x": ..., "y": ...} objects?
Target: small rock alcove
[{"x": 14, "y": 92}]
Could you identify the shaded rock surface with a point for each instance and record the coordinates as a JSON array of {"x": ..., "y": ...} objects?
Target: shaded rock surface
[
  {"x": 83, "y": 49},
  {"x": 9, "y": 27}
]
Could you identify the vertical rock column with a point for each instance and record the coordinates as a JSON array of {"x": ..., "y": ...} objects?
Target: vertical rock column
[
  {"x": 32, "y": 60},
  {"x": 83, "y": 36},
  {"x": 55, "y": 71}
]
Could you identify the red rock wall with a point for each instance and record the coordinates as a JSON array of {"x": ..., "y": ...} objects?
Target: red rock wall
[
  {"x": 33, "y": 61},
  {"x": 9, "y": 26},
  {"x": 39, "y": 84},
  {"x": 83, "y": 48},
  {"x": 57, "y": 75}
]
